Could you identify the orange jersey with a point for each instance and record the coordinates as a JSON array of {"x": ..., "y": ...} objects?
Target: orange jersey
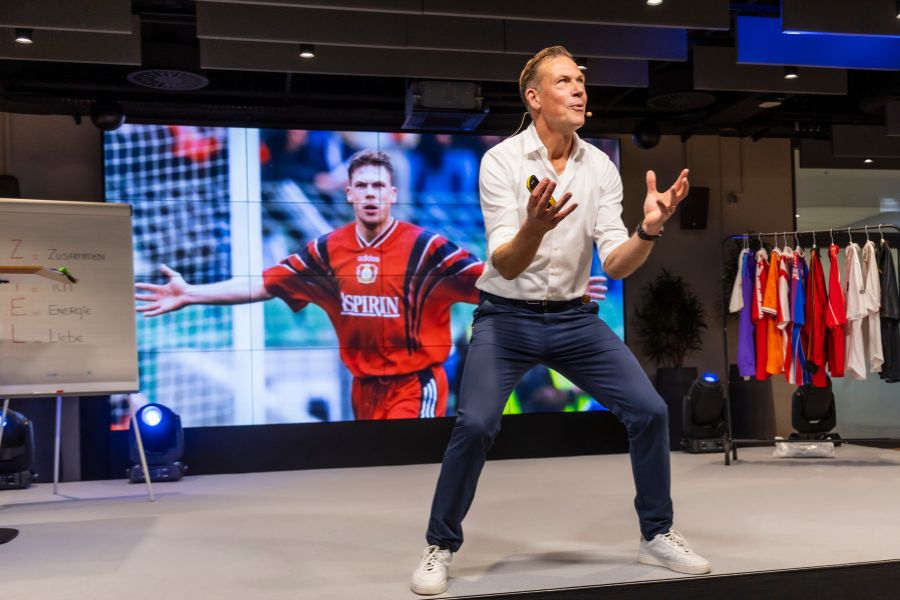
[{"x": 388, "y": 299}]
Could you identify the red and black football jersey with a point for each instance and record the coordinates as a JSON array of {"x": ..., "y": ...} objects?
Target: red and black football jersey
[{"x": 388, "y": 299}]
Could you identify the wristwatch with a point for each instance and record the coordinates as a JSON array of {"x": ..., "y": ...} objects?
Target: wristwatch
[{"x": 646, "y": 236}]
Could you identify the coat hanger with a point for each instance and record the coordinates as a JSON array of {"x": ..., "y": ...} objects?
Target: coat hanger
[{"x": 866, "y": 228}]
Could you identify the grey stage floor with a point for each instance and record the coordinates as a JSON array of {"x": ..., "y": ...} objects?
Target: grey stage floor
[{"x": 357, "y": 533}]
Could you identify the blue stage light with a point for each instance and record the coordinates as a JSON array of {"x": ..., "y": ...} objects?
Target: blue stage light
[
  {"x": 163, "y": 440},
  {"x": 151, "y": 416},
  {"x": 710, "y": 377},
  {"x": 761, "y": 41}
]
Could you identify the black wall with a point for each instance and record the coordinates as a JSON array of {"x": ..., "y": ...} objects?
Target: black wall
[{"x": 256, "y": 448}]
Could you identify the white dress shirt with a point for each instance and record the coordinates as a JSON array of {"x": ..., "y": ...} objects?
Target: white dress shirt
[{"x": 562, "y": 265}]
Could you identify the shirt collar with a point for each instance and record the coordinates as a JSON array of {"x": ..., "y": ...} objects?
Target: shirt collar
[{"x": 532, "y": 143}]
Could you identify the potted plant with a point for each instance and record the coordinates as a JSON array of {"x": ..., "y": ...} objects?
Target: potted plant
[{"x": 668, "y": 324}]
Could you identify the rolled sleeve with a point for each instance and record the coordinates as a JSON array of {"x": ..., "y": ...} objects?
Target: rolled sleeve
[
  {"x": 609, "y": 230},
  {"x": 498, "y": 202}
]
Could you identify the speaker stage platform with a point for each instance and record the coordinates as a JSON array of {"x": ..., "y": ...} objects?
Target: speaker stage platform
[{"x": 560, "y": 528}]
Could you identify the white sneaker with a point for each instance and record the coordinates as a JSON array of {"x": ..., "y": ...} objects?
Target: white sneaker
[
  {"x": 671, "y": 550},
  {"x": 430, "y": 577}
]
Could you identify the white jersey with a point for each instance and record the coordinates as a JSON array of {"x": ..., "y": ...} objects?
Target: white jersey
[
  {"x": 737, "y": 295},
  {"x": 872, "y": 300},
  {"x": 855, "y": 365}
]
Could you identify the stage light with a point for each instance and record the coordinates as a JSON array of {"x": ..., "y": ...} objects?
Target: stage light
[
  {"x": 791, "y": 73},
  {"x": 813, "y": 412},
  {"x": 868, "y": 161},
  {"x": 151, "y": 416},
  {"x": 24, "y": 36},
  {"x": 17, "y": 452},
  {"x": 307, "y": 51},
  {"x": 163, "y": 440},
  {"x": 703, "y": 415}
]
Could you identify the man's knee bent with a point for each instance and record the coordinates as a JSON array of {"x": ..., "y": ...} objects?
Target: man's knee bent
[
  {"x": 653, "y": 414},
  {"x": 473, "y": 430}
]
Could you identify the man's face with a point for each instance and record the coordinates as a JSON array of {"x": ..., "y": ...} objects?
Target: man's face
[
  {"x": 371, "y": 193},
  {"x": 561, "y": 94}
]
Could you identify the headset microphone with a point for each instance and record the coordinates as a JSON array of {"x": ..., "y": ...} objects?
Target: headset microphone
[{"x": 589, "y": 114}]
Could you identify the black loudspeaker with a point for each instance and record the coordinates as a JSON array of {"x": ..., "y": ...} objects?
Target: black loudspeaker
[
  {"x": 694, "y": 208},
  {"x": 9, "y": 187}
]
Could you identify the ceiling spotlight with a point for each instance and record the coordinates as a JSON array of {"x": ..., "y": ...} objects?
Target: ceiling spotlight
[
  {"x": 897, "y": 4},
  {"x": 769, "y": 103},
  {"x": 581, "y": 62},
  {"x": 654, "y": 2},
  {"x": 24, "y": 36},
  {"x": 307, "y": 51},
  {"x": 868, "y": 161},
  {"x": 791, "y": 73}
]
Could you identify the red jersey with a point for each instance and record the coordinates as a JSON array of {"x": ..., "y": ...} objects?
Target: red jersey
[
  {"x": 816, "y": 302},
  {"x": 835, "y": 316},
  {"x": 388, "y": 299},
  {"x": 757, "y": 315}
]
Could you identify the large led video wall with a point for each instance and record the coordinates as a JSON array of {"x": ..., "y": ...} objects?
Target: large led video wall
[{"x": 274, "y": 289}]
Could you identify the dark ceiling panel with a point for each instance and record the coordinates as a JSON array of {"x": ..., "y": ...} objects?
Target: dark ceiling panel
[
  {"x": 107, "y": 16},
  {"x": 649, "y": 43},
  {"x": 394, "y": 6},
  {"x": 872, "y": 17},
  {"x": 75, "y": 46},
  {"x": 258, "y": 56},
  {"x": 864, "y": 141},
  {"x": 892, "y": 114},
  {"x": 717, "y": 69},
  {"x": 383, "y": 30},
  {"x": 817, "y": 154},
  {"x": 692, "y": 14},
  {"x": 285, "y": 24}
]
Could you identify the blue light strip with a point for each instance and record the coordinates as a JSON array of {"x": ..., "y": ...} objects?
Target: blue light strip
[{"x": 761, "y": 41}]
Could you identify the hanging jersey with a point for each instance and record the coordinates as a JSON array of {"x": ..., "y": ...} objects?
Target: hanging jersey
[
  {"x": 890, "y": 315},
  {"x": 783, "y": 318},
  {"x": 746, "y": 358},
  {"x": 774, "y": 335},
  {"x": 760, "y": 321},
  {"x": 737, "y": 296},
  {"x": 872, "y": 301},
  {"x": 388, "y": 299},
  {"x": 795, "y": 368},
  {"x": 835, "y": 315},
  {"x": 855, "y": 355},
  {"x": 816, "y": 302}
]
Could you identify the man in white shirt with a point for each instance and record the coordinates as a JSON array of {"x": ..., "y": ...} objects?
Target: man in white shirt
[{"x": 540, "y": 249}]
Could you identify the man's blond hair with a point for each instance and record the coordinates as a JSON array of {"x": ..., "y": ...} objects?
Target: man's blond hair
[{"x": 529, "y": 77}]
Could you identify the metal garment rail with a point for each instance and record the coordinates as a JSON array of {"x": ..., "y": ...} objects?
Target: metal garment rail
[{"x": 805, "y": 239}]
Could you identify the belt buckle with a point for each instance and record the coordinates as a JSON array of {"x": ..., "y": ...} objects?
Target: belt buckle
[{"x": 544, "y": 304}]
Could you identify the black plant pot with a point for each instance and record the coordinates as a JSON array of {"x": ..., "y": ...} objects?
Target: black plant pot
[{"x": 673, "y": 384}]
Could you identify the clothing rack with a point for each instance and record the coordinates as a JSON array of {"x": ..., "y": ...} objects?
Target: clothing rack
[{"x": 821, "y": 238}]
